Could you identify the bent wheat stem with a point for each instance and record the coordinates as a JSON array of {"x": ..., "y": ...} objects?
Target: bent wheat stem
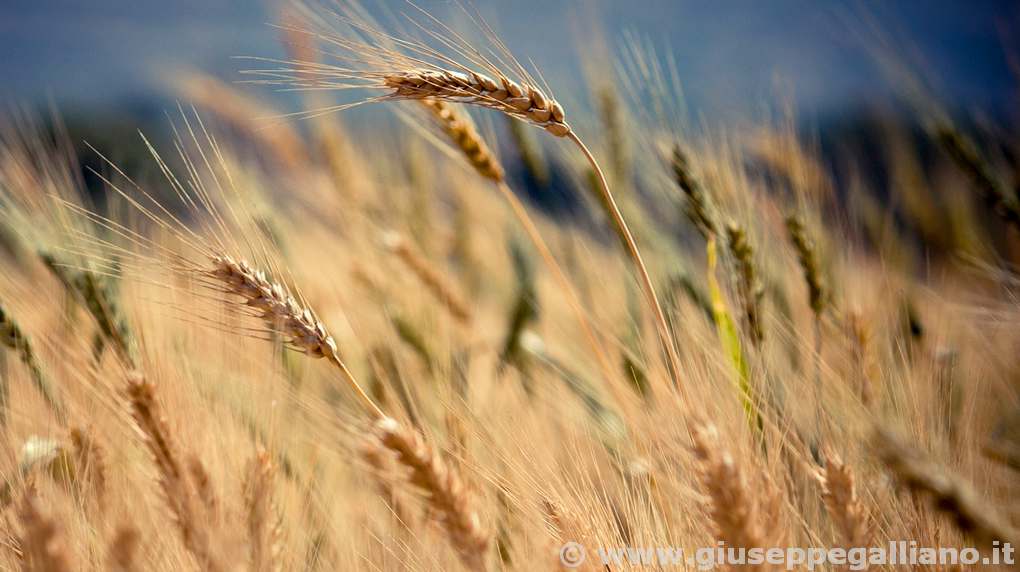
[
  {"x": 459, "y": 128},
  {"x": 564, "y": 283},
  {"x": 661, "y": 325}
]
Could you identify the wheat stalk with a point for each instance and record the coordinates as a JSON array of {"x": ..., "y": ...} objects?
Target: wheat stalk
[{"x": 459, "y": 128}]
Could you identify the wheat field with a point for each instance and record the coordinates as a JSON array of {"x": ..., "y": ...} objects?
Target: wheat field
[{"x": 290, "y": 344}]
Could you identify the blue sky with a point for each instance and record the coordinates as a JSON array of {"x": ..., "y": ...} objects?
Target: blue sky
[{"x": 730, "y": 54}]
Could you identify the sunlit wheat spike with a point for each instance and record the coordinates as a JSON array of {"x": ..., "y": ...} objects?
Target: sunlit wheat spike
[
  {"x": 178, "y": 492},
  {"x": 446, "y": 493},
  {"x": 279, "y": 310},
  {"x": 948, "y": 494},
  {"x": 839, "y": 492},
  {"x": 42, "y": 540},
  {"x": 461, "y": 131},
  {"x": 522, "y": 101},
  {"x": 282, "y": 313}
]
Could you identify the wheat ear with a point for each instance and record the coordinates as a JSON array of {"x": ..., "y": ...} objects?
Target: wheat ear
[
  {"x": 524, "y": 102},
  {"x": 284, "y": 314},
  {"x": 91, "y": 460},
  {"x": 731, "y": 503},
  {"x": 446, "y": 493},
  {"x": 432, "y": 279},
  {"x": 41, "y": 541},
  {"x": 839, "y": 493},
  {"x": 263, "y": 529},
  {"x": 698, "y": 207},
  {"x": 373, "y": 454},
  {"x": 751, "y": 290},
  {"x": 178, "y": 492},
  {"x": 947, "y": 493},
  {"x": 15, "y": 339},
  {"x": 807, "y": 256},
  {"x": 461, "y": 131},
  {"x": 965, "y": 155}
]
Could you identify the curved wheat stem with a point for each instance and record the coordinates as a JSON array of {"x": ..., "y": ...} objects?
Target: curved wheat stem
[
  {"x": 461, "y": 131},
  {"x": 662, "y": 326}
]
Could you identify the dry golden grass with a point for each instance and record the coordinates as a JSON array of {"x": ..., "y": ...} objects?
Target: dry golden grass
[{"x": 162, "y": 407}]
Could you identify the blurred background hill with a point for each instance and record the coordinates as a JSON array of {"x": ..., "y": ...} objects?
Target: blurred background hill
[{"x": 107, "y": 66}]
